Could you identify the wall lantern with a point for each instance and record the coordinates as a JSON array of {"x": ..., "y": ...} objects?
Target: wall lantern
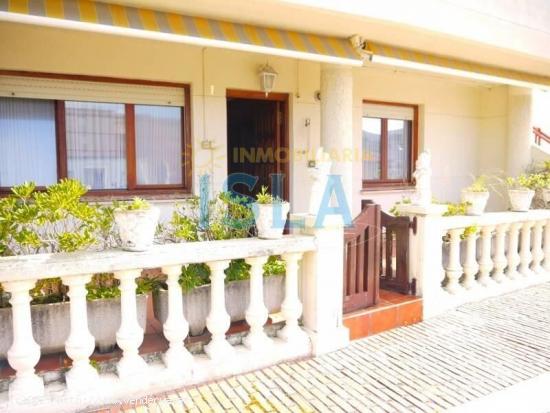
[{"x": 267, "y": 78}]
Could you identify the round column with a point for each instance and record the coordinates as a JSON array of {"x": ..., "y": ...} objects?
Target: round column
[{"x": 256, "y": 314}]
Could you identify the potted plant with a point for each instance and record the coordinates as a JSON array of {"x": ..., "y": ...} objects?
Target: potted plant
[
  {"x": 270, "y": 214},
  {"x": 136, "y": 222},
  {"x": 521, "y": 191},
  {"x": 476, "y": 196}
]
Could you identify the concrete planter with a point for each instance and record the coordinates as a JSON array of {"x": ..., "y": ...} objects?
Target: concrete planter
[
  {"x": 51, "y": 325},
  {"x": 521, "y": 199},
  {"x": 196, "y": 303},
  {"x": 477, "y": 201},
  {"x": 546, "y": 195},
  {"x": 137, "y": 228},
  {"x": 265, "y": 224}
]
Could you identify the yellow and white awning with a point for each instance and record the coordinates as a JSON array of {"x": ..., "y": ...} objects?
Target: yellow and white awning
[
  {"x": 392, "y": 55},
  {"x": 104, "y": 17}
]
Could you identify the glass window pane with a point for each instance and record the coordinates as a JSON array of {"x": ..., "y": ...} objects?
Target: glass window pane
[
  {"x": 27, "y": 142},
  {"x": 372, "y": 134},
  {"x": 399, "y": 132},
  {"x": 96, "y": 144},
  {"x": 158, "y": 145}
]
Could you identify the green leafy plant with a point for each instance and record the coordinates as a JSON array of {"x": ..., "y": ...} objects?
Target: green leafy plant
[
  {"x": 394, "y": 210},
  {"x": 264, "y": 197},
  {"x": 470, "y": 230},
  {"x": 479, "y": 185},
  {"x": 136, "y": 204},
  {"x": 456, "y": 209},
  {"x": 193, "y": 276},
  {"x": 525, "y": 181}
]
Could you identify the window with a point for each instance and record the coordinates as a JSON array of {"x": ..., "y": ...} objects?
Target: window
[
  {"x": 114, "y": 137},
  {"x": 389, "y": 144}
]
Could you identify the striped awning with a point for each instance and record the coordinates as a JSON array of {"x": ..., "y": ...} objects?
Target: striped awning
[
  {"x": 505, "y": 75},
  {"x": 104, "y": 17}
]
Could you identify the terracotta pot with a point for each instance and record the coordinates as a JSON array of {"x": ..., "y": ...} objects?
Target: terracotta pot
[
  {"x": 137, "y": 228},
  {"x": 265, "y": 215}
]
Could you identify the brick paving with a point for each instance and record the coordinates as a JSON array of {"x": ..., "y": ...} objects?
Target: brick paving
[{"x": 446, "y": 361}]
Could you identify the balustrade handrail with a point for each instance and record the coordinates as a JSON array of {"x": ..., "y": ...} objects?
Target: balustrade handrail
[
  {"x": 540, "y": 136},
  {"x": 40, "y": 266},
  {"x": 492, "y": 218}
]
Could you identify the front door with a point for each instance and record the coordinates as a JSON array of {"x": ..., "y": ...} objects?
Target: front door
[{"x": 257, "y": 144}]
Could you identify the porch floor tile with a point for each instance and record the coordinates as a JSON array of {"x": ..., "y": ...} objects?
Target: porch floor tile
[{"x": 479, "y": 349}]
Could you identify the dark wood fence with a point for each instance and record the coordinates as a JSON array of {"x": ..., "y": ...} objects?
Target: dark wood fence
[{"x": 362, "y": 259}]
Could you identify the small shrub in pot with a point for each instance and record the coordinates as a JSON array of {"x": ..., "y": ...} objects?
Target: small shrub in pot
[
  {"x": 270, "y": 214},
  {"x": 521, "y": 191},
  {"x": 136, "y": 222},
  {"x": 476, "y": 196}
]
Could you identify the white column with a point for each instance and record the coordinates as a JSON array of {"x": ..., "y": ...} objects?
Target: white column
[
  {"x": 547, "y": 245},
  {"x": 256, "y": 314},
  {"x": 80, "y": 344},
  {"x": 470, "y": 263},
  {"x": 130, "y": 334},
  {"x": 177, "y": 358},
  {"x": 499, "y": 259},
  {"x": 337, "y": 122},
  {"x": 291, "y": 307},
  {"x": 454, "y": 269},
  {"x": 525, "y": 249},
  {"x": 513, "y": 256},
  {"x": 218, "y": 321},
  {"x": 485, "y": 262},
  {"x": 24, "y": 352},
  {"x": 538, "y": 253}
]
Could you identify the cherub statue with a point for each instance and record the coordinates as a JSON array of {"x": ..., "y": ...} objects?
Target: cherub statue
[
  {"x": 319, "y": 175},
  {"x": 423, "y": 176}
]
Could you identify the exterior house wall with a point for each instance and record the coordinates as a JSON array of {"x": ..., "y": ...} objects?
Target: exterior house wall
[{"x": 452, "y": 121}]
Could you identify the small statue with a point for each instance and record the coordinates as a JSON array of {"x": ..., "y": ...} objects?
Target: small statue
[
  {"x": 319, "y": 175},
  {"x": 423, "y": 177}
]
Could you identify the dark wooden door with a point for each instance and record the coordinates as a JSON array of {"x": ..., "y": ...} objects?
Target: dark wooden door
[{"x": 257, "y": 144}]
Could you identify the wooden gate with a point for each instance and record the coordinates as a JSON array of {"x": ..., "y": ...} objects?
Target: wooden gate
[
  {"x": 394, "y": 256},
  {"x": 362, "y": 259}
]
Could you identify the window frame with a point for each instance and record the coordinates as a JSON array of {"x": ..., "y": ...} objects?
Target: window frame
[
  {"x": 133, "y": 189},
  {"x": 385, "y": 183}
]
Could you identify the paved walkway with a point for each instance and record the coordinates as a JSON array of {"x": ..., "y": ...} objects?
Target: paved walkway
[{"x": 464, "y": 355}]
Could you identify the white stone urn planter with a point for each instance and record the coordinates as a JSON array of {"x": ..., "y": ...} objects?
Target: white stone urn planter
[
  {"x": 196, "y": 303},
  {"x": 51, "y": 327},
  {"x": 520, "y": 199},
  {"x": 477, "y": 201},
  {"x": 546, "y": 195},
  {"x": 137, "y": 228},
  {"x": 264, "y": 215}
]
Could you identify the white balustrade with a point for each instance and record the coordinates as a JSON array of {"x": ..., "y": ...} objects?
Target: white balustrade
[
  {"x": 80, "y": 344},
  {"x": 218, "y": 321},
  {"x": 19, "y": 274},
  {"x": 470, "y": 266},
  {"x": 547, "y": 246},
  {"x": 454, "y": 269},
  {"x": 513, "y": 255},
  {"x": 177, "y": 358},
  {"x": 485, "y": 261},
  {"x": 24, "y": 352},
  {"x": 291, "y": 307},
  {"x": 525, "y": 249},
  {"x": 538, "y": 253},
  {"x": 499, "y": 259},
  {"x": 256, "y": 314},
  {"x": 130, "y": 334}
]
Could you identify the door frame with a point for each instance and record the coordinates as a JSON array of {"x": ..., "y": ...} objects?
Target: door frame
[{"x": 282, "y": 137}]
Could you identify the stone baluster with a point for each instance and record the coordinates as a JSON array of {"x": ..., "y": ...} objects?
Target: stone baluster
[
  {"x": 80, "y": 344},
  {"x": 177, "y": 358},
  {"x": 470, "y": 266},
  {"x": 513, "y": 256},
  {"x": 538, "y": 253},
  {"x": 291, "y": 306},
  {"x": 218, "y": 321},
  {"x": 256, "y": 314},
  {"x": 547, "y": 246},
  {"x": 24, "y": 352},
  {"x": 485, "y": 261},
  {"x": 130, "y": 334},
  {"x": 525, "y": 249},
  {"x": 499, "y": 259},
  {"x": 454, "y": 269}
]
